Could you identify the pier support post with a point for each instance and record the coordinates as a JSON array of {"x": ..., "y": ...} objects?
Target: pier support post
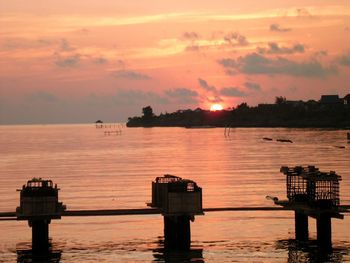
[
  {"x": 177, "y": 232},
  {"x": 324, "y": 231},
  {"x": 40, "y": 236},
  {"x": 301, "y": 226}
]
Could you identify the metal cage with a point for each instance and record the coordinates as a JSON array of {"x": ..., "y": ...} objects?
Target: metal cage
[
  {"x": 308, "y": 184},
  {"x": 174, "y": 195}
]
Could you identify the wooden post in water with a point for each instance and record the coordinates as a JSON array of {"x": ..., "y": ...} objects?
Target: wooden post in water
[
  {"x": 177, "y": 232},
  {"x": 179, "y": 200},
  {"x": 40, "y": 236},
  {"x": 39, "y": 204},
  {"x": 301, "y": 226},
  {"x": 324, "y": 231}
]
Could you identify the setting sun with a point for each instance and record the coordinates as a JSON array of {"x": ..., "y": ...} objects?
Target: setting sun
[{"x": 216, "y": 107}]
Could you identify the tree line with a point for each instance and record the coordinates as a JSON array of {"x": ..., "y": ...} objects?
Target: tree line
[{"x": 282, "y": 113}]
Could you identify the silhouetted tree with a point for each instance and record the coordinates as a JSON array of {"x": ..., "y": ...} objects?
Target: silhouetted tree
[
  {"x": 280, "y": 100},
  {"x": 147, "y": 112},
  {"x": 243, "y": 106}
]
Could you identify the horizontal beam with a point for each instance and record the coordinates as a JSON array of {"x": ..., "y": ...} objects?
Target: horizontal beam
[
  {"x": 112, "y": 212},
  {"x": 242, "y": 208},
  {"x": 7, "y": 214},
  {"x": 145, "y": 211},
  {"x": 154, "y": 211}
]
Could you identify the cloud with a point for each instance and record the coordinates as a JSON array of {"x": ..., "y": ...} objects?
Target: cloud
[
  {"x": 232, "y": 92},
  {"x": 120, "y": 64},
  {"x": 100, "y": 61},
  {"x": 44, "y": 42},
  {"x": 131, "y": 75},
  {"x": 278, "y": 28},
  {"x": 344, "y": 59},
  {"x": 214, "y": 96},
  {"x": 65, "y": 45},
  {"x": 83, "y": 31},
  {"x": 215, "y": 99},
  {"x": 321, "y": 53},
  {"x": 192, "y": 39},
  {"x": 205, "y": 85},
  {"x": 231, "y": 39},
  {"x": 138, "y": 98},
  {"x": 42, "y": 96},
  {"x": 257, "y": 64},
  {"x": 274, "y": 48},
  {"x": 236, "y": 39},
  {"x": 67, "y": 61},
  {"x": 303, "y": 12},
  {"x": 183, "y": 95},
  {"x": 23, "y": 43},
  {"x": 194, "y": 48},
  {"x": 252, "y": 86},
  {"x": 228, "y": 63},
  {"x": 190, "y": 35}
]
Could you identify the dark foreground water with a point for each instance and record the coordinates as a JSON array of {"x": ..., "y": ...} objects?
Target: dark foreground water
[{"x": 98, "y": 171}]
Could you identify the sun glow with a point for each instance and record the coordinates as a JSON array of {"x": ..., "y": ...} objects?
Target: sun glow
[{"x": 216, "y": 107}]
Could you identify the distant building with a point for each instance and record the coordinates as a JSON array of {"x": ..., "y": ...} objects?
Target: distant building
[
  {"x": 330, "y": 99},
  {"x": 266, "y": 106},
  {"x": 312, "y": 102},
  {"x": 346, "y": 99},
  {"x": 295, "y": 103}
]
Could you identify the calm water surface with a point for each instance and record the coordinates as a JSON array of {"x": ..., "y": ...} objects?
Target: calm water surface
[{"x": 97, "y": 171}]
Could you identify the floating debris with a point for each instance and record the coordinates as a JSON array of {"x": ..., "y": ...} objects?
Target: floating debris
[
  {"x": 284, "y": 140},
  {"x": 340, "y": 147},
  {"x": 267, "y": 139}
]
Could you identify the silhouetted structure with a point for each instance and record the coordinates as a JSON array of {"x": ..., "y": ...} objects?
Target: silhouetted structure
[
  {"x": 39, "y": 205},
  {"x": 99, "y": 124},
  {"x": 309, "y": 192},
  {"x": 330, "y": 111},
  {"x": 330, "y": 99},
  {"x": 312, "y": 193},
  {"x": 179, "y": 201},
  {"x": 346, "y": 99}
]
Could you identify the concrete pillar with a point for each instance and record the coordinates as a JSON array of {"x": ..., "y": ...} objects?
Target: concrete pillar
[
  {"x": 324, "y": 231},
  {"x": 301, "y": 226},
  {"x": 40, "y": 236},
  {"x": 177, "y": 232}
]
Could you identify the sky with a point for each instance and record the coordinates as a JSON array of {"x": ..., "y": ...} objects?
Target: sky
[{"x": 78, "y": 61}]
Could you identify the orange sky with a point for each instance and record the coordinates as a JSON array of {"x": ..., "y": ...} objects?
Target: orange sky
[{"x": 78, "y": 61}]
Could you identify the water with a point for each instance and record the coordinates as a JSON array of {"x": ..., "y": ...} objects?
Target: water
[{"x": 95, "y": 171}]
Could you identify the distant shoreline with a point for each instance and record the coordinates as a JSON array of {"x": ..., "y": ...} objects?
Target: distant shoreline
[
  {"x": 248, "y": 127},
  {"x": 283, "y": 115}
]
